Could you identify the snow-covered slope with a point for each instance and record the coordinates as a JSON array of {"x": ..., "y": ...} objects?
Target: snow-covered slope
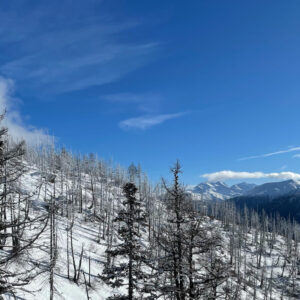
[
  {"x": 219, "y": 190},
  {"x": 242, "y": 188},
  {"x": 275, "y": 189},
  {"x": 87, "y": 236}
]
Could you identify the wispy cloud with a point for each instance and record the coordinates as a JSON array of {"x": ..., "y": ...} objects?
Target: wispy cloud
[
  {"x": 291, "y": 149},
  {"x": 13, "y": 120},
  {"x": 296, "y": 156},
  {"x": 124, "y": 98},
  {"x": 147, "y": 121},
  {"x": 147, "y": 103},
  {"x": 228, "y": 175},
  {"x": 56, "y": 54},
  {"x": 283, "y": 167}
]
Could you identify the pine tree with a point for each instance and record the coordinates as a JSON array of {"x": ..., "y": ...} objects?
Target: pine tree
[{"x": 131, "y": 217}]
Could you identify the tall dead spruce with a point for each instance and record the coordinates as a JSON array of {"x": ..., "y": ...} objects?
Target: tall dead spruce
[
  {"x": 16, "y": 218},
  {"x": 188, "y": 263}
]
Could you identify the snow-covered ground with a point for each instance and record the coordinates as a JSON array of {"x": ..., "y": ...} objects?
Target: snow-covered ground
[{"x": 86, "y": 236}]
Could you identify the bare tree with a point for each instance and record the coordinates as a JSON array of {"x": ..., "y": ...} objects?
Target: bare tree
[{"x": 16, "y": 218}]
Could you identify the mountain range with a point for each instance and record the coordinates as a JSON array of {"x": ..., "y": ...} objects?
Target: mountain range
[{"x": 221, "y": 191}]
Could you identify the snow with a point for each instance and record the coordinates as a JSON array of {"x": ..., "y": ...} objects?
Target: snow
[{"x": 86, "y": 235}]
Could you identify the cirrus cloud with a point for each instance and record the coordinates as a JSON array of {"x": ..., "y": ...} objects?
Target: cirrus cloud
[
  {"x": 228, "y": 175},
  {"x": 290, "y": 149},
  {"x": 147, "y": 121},
  {"x": 57, "y": 54}
]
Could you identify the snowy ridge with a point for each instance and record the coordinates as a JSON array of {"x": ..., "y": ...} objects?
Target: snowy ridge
[
  {"x": 274, "y": 189},
  {"x": 219, "y": 190}
]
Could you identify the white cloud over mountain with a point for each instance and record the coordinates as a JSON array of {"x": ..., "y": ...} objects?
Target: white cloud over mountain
[{"x": 228, "y": 174}]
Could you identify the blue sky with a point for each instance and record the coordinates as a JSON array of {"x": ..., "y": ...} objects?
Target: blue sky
[{"x": 207, "y": 82}]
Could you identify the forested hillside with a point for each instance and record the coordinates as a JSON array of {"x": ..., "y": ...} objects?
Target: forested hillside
[
  {"x": 78, "y": 227},
  {"x": 287, "y": 206}
]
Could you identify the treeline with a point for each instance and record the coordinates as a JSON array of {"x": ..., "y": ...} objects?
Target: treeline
[{"x": 287, "y": 206}]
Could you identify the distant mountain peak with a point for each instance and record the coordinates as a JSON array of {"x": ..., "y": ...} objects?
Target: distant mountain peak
[
  {"x": 274, "y": 189},
  {"x": 219, "y": 190}
]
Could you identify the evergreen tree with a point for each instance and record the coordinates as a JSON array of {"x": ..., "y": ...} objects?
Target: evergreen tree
[{"x": 131, "y": 217}]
